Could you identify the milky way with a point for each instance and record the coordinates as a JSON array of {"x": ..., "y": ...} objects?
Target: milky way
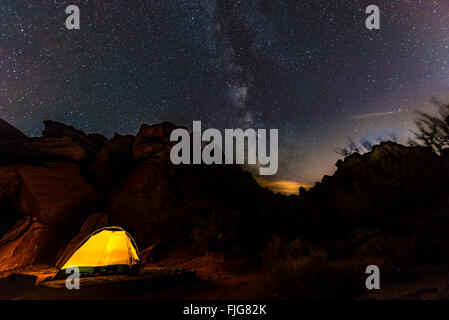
[{"x": 309, "y": 68}]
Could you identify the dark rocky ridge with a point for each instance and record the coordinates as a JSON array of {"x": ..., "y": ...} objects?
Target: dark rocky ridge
[
  {"x": 50, "y": 185},
  {"x": 393, "y": 201},
  {"x": 54, "y": 190}
]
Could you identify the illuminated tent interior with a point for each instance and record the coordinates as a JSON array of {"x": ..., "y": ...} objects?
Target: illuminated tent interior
[{"x": 107, "y": 250}]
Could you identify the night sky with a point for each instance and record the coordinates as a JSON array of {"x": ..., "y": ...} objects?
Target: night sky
[{"x": 309, "y": 68}]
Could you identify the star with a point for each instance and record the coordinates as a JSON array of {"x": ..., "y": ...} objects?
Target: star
[{"x": 310, "y": 69}]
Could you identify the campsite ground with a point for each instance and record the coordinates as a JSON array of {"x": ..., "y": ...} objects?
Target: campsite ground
[
  {"x": 219, "y": 283},
  {"x": 213, "y": 281}
]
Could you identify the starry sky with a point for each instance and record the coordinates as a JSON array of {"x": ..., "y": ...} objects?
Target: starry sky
[{"x": 308, "y": 68}]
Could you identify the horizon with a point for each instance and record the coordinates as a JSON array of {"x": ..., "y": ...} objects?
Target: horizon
[
  {"x": 312, "y": 71},
  {"x": 286, "y": 187}
]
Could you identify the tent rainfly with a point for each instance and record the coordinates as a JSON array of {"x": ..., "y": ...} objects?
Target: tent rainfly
[{"x": 107, "y": 250}]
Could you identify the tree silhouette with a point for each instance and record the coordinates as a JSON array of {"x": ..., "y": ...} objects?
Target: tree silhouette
[
  {"x": 364, "y": 145},
  {"x": 432, "y": 130}
]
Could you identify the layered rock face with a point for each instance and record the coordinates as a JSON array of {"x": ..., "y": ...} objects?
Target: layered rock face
[
  {"x": 28, "y": 242},
  {"x": 55, "y": 193},
  {"x": 51, "y": 186},
  {"x": 391, "y": 180},
  {"x": 8, "y": 132},
  {"x": 93, "y": 222},
  {"x": 90, "y": 144},
  {"x": 143, "y": 202},
  {"x": 62, "y": 147},
  {"x": 43, "y": 196},
  {"x": 57, "y": 189},
  {"x": 113, "y": 162},
  {"x": 393, "y": 200}
]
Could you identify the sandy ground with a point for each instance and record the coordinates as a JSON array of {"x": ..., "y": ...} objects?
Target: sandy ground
[
  {"x": 219, "y": 283},
  {"x": 424, "y": 283},
  {"x": 212, "y": 282}
]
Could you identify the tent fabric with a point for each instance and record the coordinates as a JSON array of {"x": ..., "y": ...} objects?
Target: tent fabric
[{"x": 107, "y": 249}]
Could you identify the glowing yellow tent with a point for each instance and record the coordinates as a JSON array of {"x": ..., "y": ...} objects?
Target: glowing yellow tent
[{"x": 109, "y": 249}]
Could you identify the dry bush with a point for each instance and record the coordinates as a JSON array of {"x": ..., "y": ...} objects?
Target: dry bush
[{"x": 301, "y": 271}]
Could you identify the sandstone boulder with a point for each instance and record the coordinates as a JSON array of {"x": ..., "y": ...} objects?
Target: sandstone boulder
[
  {"x": 28, "y": 242},
  {"x": 153, "y": 140},
  {"x": 55, "y": 129},
  {"x": 99, "y": 139},
  {"x": 10, "y": 186},
  {"x": 11, "y": 143},
  {"x": 141, "y": 204},
  {"x": 92, "y": 223},
  {"x": 60, "y": 148},
  {"x": 16, "y": 148},
  {"x": 55, "y": 193},
  {"x": 7, "y": 131},
  {"x": 114, "y": 162}
]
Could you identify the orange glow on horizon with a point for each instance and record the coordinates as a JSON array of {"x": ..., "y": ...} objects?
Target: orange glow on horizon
[{"x": 282, "y": 186}]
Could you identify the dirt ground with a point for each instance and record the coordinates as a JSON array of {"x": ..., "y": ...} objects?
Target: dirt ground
[
  {"x": 218, "y": 283},
  {"x": 212, "y": 282}
]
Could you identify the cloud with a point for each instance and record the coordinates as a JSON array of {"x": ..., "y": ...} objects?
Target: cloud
[
  {"x": 368, "y": 116},
  {"x": 282, "y": 186}
]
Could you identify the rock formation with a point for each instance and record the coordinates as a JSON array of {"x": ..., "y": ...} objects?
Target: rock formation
[
  {"x": 91, "y": 144},
  {"x": 52, "y": 186},
  {"x": 43, "y": 196},
  {"x": 28, "y": 242},
  {"x": 93, "y": 222}
]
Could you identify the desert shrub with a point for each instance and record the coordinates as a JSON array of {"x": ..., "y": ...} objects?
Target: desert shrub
[
  {"x": 235, "y": 218},
  {"x": 399, "y": 250},
  {"x": 231, "y": 232},
  {"x": 425, "y": 242},
  {"x": 206, "y": 231},
  {"x": 373, "y": 247},
  {"x": 301, "y": 271}
]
